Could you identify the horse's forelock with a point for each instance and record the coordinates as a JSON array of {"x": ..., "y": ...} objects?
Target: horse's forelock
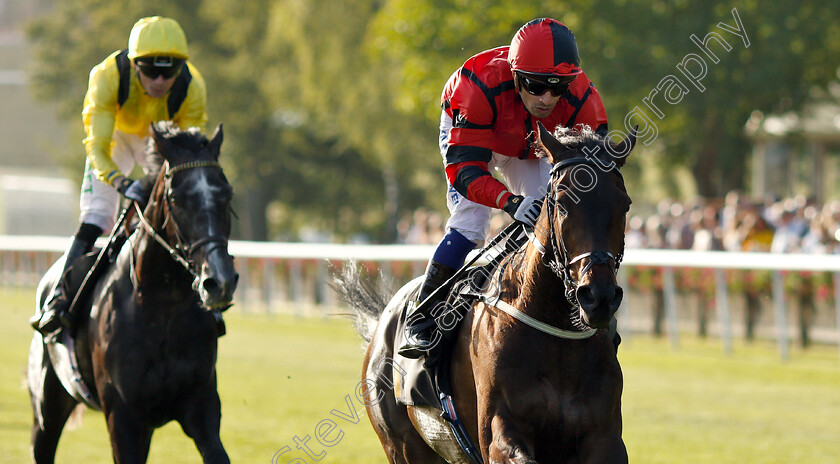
[
  {"x": 589, "y": 143},
  {"x": 579, "y": 138},
  {"x": 190, "y": 140}
]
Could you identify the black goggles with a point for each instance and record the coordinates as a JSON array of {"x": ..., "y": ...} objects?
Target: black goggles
[
  {"x": 155, "y": 66},
  {"x": 557, "y": 85}
]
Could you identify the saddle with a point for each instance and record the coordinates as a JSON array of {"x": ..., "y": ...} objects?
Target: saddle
[
  {"x": 421, "y": 383},
  {"x": 81, "y": 277},
  {"x": 428, "y": 377}
]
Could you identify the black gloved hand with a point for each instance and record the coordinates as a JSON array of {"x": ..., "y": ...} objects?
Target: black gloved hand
[
  {"x": 523, "y": 209},
  {"x": 132, "y": 189}
]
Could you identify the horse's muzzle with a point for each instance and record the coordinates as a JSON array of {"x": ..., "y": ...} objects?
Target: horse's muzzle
[
  {"x": 598, "y": 303},
  {"x": 218, "y": 279}
]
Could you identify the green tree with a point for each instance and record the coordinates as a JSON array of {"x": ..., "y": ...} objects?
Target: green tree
[
  {"x": 628, "y": 46},
  {"x": 335, "y": 74},
  {"x": 270, "y": 160},
  {"x": 331, "y": 108}
]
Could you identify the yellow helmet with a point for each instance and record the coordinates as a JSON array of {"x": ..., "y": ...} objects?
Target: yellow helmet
[{"x": 157, "y": 36}]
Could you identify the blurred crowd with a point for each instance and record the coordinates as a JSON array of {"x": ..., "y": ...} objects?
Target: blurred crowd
[
  {"x": 735, "y": 223},
  {"x": 422, "y": 227}
]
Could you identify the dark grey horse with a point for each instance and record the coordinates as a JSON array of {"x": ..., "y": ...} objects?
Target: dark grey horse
[{"x": 146, "y": 354}]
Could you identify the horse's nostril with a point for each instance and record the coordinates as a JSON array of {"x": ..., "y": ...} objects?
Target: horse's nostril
[
  {"x": 211, "y": 286},
  {"x": 617, "y": 297},
  {"x": 585, "y": 296}
]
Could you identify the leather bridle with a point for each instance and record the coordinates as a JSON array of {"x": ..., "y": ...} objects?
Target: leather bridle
[
  {"x": 183, "y": 251},
  {"x": 560, "y": 262}
]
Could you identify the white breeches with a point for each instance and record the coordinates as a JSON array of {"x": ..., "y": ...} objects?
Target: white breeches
[
  {"x": 99, "y": 201},
  {"x": 522, "y": 177}
]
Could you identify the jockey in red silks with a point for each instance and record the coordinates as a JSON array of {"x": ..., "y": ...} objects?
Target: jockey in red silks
[
  {"x": 153, "y": 80},
  {"x": 491, "y": 106}
]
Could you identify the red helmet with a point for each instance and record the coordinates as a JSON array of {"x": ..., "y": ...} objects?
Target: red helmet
[{"x": 544, "y": 46}]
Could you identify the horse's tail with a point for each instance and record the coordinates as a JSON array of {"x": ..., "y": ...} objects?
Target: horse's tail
[{"x": 364, "y": 293}]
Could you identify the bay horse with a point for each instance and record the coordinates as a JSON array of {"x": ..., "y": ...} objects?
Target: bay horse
[
  {"x": 146, "y": 353},
  {"x": 533, "y": 366}
]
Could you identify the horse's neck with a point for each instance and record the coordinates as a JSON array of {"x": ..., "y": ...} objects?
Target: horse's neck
[
  {"x": 155, "y": 267},
  {"x": 541, "y": 293}
]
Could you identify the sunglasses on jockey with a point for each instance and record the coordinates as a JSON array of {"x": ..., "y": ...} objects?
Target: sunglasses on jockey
[
  {"x": 538, "y": 85},
  {"x": 154, "y": 66}
]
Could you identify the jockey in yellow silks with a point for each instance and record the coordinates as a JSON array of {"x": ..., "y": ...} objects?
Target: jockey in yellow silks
[{"x": 151, "y": 81}]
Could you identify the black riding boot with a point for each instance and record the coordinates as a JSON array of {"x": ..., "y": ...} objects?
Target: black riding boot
[
  {"x": 420, "y": 322},
  {"x": 55, "y": 313}
]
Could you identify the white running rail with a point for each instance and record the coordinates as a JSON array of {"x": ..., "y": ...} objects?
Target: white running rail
[{"x": 301, "y": 269}]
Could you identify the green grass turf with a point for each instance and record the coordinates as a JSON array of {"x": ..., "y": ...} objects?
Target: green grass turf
[{"x": 279, "y": 376}]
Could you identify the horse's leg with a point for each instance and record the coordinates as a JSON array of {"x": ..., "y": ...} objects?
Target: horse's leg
[
  {"x": 56, "y": 406},
  {"x": 507, "y": 444},
  {"x": 130, "y": 439},
  {"x": 400, "y": 440},
  {"x": 391, "y": 422},
  {"x": 504, "y": 437},
  {"x": 201, "y": 421},
  {"x": 603, "y": 449}
]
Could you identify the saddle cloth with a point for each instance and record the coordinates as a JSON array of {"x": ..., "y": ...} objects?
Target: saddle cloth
[
  {"x": 427, "y": 377},
  {"x": 60, "y": 350},
  {"x": 61, "y": 347},
  {"x": 424, "y": 383}
]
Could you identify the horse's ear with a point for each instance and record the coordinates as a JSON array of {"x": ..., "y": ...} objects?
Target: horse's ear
[
  {"x": 622, "y": 149},
  {"x": 163, "y": 145},
  {"x": 549, "y": 145},
  {"x": 215, "y": 145}
]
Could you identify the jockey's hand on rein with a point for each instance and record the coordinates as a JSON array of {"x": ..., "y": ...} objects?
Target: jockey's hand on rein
[
  {"x": 131, "y": 189},
  {"x": 523, "y": 209}
]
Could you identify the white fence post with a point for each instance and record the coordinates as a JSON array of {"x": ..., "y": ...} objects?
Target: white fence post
[
  {"x": 837, "y": 305},
  {"x": 269, "y": 282},
  {"x": 624, "y": 310},
  {"x": 670, "y": 293},
  {"x": 724, "y": 320},
  {"x": 780, "y": 315},
  {"x": 325, "y": 294},
  {"x": 241, "y": 294},
  {"x": 296, "y": 285}
]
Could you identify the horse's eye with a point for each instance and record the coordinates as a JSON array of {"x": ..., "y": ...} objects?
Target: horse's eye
[
  {"x": 227, "y": 194},
  {"x": 561, "y": 209}
]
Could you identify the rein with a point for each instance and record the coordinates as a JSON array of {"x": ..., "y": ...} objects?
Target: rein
[
  {"x": 172, "y": 251},
  {"x": 183, "y": 251},
  {"x": 536, "y": 323}
]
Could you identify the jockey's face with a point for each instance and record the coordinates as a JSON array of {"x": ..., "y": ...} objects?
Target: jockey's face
[
  {"x": 540, "y": 93},
  {"x": 539, "y": 106},
  {"x": 155, "y": 87}
]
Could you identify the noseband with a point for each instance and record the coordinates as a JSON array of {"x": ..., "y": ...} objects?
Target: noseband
[
  {"x": 182, "y": 252},
  {"x": 560, "y": 263}
]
